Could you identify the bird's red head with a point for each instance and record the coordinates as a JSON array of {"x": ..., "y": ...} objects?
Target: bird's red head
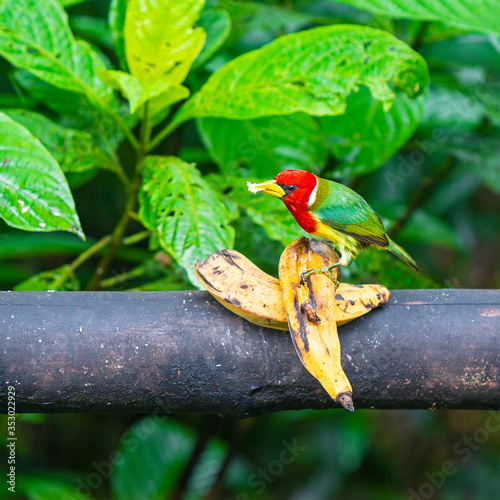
[
  {"x": 297, "y": 189},
  {"x": 298, "y": 186}
]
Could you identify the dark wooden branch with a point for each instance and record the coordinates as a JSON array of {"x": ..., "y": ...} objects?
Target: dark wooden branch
[{"x": 183, "y": 352}]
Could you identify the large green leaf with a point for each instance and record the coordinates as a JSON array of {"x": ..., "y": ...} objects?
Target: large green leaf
[
  {"x": 160, "y": 41},
  {"x": 266, "y": 145},
  {"x": 153, "y": 455},
  {"x": 76, "y": 110},
  {"x": 182, "y": 209},
  {"x": 313, "y": 72},
  {"x": 217, "y": 25},
  {"x": 483, "y": 15},
  {"x": 74, "y": 107},
  {"x": 35, "y": 35},
  {"x": 35, "y": 194},
  {"x": 74, "y": 150},
  {"x": 366, "y": 136}
]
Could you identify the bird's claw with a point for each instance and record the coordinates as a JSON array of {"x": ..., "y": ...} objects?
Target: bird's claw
[
  {"x": 333, "y": 278},
  {"x": 324, "y": 270}
]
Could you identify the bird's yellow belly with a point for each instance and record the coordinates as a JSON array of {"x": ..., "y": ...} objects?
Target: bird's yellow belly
[{"x": 345, "y": 243}]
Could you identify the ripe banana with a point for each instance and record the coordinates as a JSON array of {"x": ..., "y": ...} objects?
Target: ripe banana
[
  {"x": 310, "y": 311},
  {"x": 244, "y": 289}
]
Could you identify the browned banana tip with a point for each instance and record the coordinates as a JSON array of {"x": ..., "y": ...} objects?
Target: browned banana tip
[{"x": 345, "y": 399}]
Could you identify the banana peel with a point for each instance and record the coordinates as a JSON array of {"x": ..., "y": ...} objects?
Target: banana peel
[
  {"x": 238, "y": 284},
  {"x": 310, "y": 311}
]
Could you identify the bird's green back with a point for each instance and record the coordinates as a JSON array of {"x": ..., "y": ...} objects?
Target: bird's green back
[{"x": 346, "y": 211}]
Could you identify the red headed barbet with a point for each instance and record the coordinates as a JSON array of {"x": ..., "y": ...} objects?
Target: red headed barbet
[{"x": 333, "y": 212}]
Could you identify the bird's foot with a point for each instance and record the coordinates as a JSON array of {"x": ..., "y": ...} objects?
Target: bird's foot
[{"x": 324, "y": 270}]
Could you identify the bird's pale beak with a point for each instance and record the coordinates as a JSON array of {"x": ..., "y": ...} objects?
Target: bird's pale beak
[{"x": 268, "y": 187}]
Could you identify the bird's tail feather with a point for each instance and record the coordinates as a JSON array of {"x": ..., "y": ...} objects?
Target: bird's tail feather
[{"x": 402, "y": 254}]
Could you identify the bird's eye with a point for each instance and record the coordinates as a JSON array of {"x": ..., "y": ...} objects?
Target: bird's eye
[{"x": 290, "y": 189}]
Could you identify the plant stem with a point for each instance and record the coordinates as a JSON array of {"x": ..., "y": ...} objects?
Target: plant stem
[
  {"x": 90, "y": 252},
  {"x": 83, "y": 257},
  {"x": 123, "y": 277},
  {"x": 423, "y": 193},
  {"x": 135, "y": 238},
  {"x": 130, "y": 205},
  {"x": 121, "y": 125}
]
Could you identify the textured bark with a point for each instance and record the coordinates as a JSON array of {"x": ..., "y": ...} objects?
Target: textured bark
[{"x": 183, "y": 352}]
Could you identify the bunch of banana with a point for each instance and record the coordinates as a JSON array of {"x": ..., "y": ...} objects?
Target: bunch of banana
[
  {"x": 238, "y": 284},
  {"x": 310, "y": 311}
]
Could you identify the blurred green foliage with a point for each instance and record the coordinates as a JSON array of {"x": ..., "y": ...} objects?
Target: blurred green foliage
[{"x": 341, "y": 89}]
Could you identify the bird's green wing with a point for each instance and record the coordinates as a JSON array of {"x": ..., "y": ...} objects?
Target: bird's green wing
[{"x": 347, "y": 212}]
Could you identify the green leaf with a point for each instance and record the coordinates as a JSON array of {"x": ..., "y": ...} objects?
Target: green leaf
[
  {"x": 312, "y": 72},
  {"x": 49, "y": 489},
  {"x": 35, "y": 36},
  {"x": 137, "y": 93},
  {"x": 189, "y": 217},
  {"x": 265, "y": 146},
  {"x": 471, "y": 50},
  {"x": 77, "y": 111},
  {"x": 16, "y": 101},
  {"x": 482, "y": 15},
  {"x": 449, "y": 108},
  {"x": 366, "y": 136},
  {"x": 217, "y": 25},
  {"x": 59, "y": 280},
  {"x": 22, "y": 245},
  {"x": 116, "y": 19},
  {"x": 63, "y": 102},
  {"x": 160, "y": 41},
  {"x": 35, "y": 194},
  {"x": 205, "y": 471},
  {"x": 74, "y": 150},
  {"x": 152, "y": 456}
]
